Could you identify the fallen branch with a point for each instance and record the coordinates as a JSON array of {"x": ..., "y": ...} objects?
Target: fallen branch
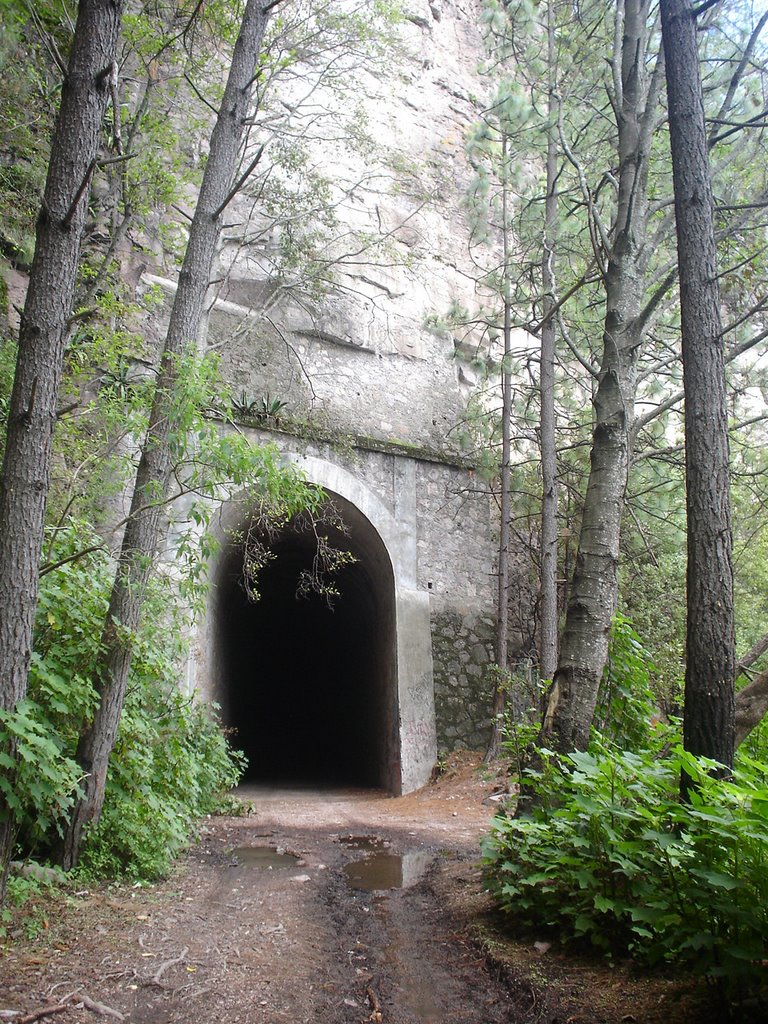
[
  {"x": 45, "y": 1011},
  {"x": 78, "y": 998},
  {"x": 101, "y": 1008},
  {"x": 168, "y": 964}
]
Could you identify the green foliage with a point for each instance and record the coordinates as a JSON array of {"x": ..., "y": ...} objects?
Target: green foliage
[
  {"x": 38, "y": 784},
  {"x": 171, "y": 761},
  {"x": 610, "y": 856},
  {"x": 29, "y": 88},
  {"x": 653, "y": 597},
  {"x": 7, "y": 371},
  {"x": 169, "y": 768},
  {"x": 23, "y": 895},
  {"x": 522, "y": 714},
  {"x": 628, "y": 711}
]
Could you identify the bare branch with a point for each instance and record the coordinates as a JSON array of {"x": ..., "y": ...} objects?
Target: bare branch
[
  {"x": 113, "y": 86},
  {"x": 67, "y": 221},
  {"x": 758, "y": 121},
  {"x": 51, "y": 566},
  {"x": 655, "y": 300},
  {"x": 199, "y": 95},
  {"x": 240, "y": 182},
  {"x": 733, "y": 85},
  {"x": 705, "y": 6},
  {"x": 575, "y": 352},
  {"x": 748, "y": 659},
  {"x": 678, "y": 396}
]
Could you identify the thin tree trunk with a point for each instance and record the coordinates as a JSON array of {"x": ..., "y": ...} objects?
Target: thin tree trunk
[
  {"x": 502, "y": 594},
  {"x": 42, "y": 340},
  {"x": 548, "y": 442},
  {"x": 593, "y": 592},
  {"x": 144, "y": 530},
  {"x": 708, "y": 717}
]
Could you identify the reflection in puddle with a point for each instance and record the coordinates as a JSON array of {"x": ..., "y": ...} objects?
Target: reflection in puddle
[
  {"x": 263, "y": 857},
  {"x": 388, "y": 870}
]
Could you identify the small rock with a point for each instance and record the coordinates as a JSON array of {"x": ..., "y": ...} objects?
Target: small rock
[
  {"x": 300, "y": 878},
  {"x": 542, "y": 947}
]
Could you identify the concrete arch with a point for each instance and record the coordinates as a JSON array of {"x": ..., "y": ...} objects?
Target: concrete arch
[{"x": 371, "y": 702}]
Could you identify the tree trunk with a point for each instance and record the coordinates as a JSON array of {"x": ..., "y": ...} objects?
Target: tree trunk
[
  {"x": 42, "y": 340},
  {"x": 593, "y": 592},
  {"x": 502, "y": 594},
  {"x": 144, "y": 530},
  {"x": 547, "y": 437},
  {"x": 708, "y": 717}
]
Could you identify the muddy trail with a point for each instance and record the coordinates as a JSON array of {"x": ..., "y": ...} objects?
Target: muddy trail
[
  {"x": 333, "y": 907},
  {"x": 314, "y": 907}
]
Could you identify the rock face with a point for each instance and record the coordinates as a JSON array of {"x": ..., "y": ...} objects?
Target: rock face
[
  {"x": 324, "y": 326},
  {"x": 346, "y": 343}
]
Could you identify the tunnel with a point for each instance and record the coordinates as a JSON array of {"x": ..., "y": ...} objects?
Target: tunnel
[{"x": 307, "y": 682}]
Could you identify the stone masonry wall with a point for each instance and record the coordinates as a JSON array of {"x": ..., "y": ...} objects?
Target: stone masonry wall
[{"x": 462, "y": 648}]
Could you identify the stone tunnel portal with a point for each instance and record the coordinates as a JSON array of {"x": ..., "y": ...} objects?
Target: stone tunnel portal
[{"x": 311, "y": 689}]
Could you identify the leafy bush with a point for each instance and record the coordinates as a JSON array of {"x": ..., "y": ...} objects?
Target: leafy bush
[
  {"x": 24, "y": 909},
  {"x": 171, "y": 761},
  {"x": 170, "y": 767},
  {"x": 611, "y": 856},
  {"x": 653, "y": 598},
  {"x": 627, "y": 712},
  {"x": 39, "y": 785}
]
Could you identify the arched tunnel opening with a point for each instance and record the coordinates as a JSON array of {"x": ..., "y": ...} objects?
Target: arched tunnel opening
[{"x": 307, "y": 683}]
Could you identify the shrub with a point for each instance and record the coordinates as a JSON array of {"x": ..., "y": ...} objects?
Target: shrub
[
  {"x": 171, "y": 761},
  {"x": 169, "y": 768},
  {"x": 628, "y": 712},
  {"x": 611, "y": 856}
]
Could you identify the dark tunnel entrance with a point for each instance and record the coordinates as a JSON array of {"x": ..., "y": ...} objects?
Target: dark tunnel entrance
[{"x": 310, "y": 690}]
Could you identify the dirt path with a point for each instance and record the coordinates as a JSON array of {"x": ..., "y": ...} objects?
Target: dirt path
[
  {"x": 305, "y": 938},
  {"x": 300, "y": 938}
]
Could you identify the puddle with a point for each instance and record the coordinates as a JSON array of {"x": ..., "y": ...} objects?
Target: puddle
[
  {"x": 363, "y": 842},
  {"x": 265, "y": 857},
  {"x": 388, "y": 870}
]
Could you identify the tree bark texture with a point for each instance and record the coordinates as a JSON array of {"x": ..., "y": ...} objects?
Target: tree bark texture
[
  {"x": 547, "y": 438},
  {"x": 593, "y": 591},
  {"x": 145, "y": 527},
  {"x": 708, "y": 717},
  {"x": 42, "y": 341}
]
